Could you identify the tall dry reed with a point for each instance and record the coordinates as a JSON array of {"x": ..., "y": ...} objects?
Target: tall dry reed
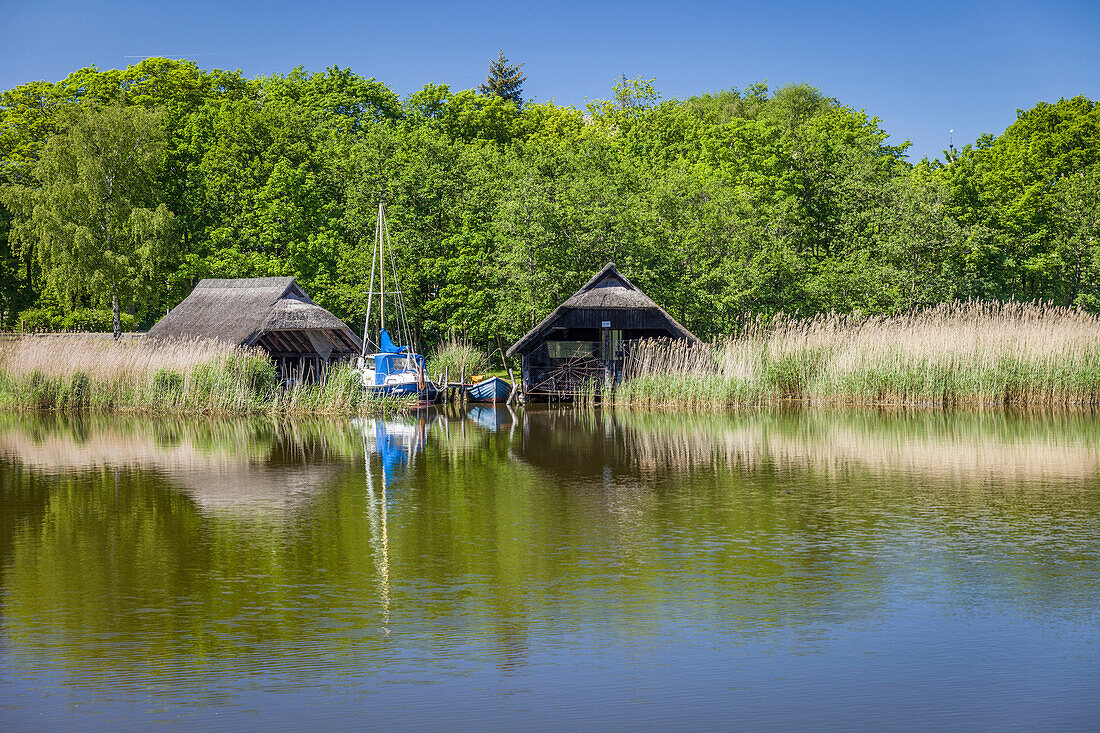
[
  {"x": 968, "y": 353},
  {"x": 73, "y": 373}
]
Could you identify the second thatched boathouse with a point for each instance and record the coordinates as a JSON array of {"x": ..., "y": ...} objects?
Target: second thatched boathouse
[
  {"x": 588, "y": 337},
  {"x": 272, "y": 313}
]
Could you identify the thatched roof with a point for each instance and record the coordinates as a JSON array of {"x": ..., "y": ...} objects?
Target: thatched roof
[
  {"x": 241, "y": 311},
  {"x": 290, "y": 314},
  {"x": 608, "y": 289}
]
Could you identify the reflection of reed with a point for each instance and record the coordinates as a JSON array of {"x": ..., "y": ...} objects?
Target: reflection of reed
[
  {"x": 62, "y": 452},
  {"x": 487, "y": 553},
  {"x": 239, "y": 464},
  {"x": 974, "y": 444}
]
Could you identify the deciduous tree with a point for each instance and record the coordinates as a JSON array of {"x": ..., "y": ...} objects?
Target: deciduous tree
[{"x": 95, "y": 217}]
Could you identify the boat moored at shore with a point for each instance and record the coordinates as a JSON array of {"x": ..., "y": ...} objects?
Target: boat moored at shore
[
  {"x": 492, "y": 389},
  {"x": 391, "y": 369},
  {"x": 396, "y": 372}
]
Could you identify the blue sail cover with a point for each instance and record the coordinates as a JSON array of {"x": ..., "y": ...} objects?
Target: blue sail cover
[{"x": 387, "y": 346}]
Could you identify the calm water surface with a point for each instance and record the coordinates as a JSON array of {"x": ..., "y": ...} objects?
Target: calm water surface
[{"x": 553, "y": 570}]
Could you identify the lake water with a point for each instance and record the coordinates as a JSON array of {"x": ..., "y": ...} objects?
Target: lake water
[{"x": 553, "y": 570}]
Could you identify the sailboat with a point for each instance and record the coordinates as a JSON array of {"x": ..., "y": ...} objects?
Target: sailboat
[{"x": 384, "y": 366}]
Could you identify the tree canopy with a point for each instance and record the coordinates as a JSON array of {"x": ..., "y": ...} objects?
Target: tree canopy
[
  {"x": 723, "y": 207},
  {"x": 94, "y": 214}
]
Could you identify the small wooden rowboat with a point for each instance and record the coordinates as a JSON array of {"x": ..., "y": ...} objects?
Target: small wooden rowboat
[{"x": 493, "y": 389}]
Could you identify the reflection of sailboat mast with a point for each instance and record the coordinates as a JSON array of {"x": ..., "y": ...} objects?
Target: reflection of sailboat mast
[
  {"x": 397, "y": 445},
  {"x": 376, "y": 509}
]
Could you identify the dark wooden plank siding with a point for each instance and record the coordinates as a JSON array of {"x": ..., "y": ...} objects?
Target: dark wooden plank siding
[
  {"x": 587, "y": 324},
  {"x": 620, "y": 319},
  {"x": 543, "y": 375}
]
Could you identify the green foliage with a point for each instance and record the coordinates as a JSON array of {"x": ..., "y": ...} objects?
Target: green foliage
[
  {"x": 95, "y": 219},
  {"x": 80, "y": 387},
  {"x": 504, "y": 80},
  {"x": 80, "y": 319},
  {"x": 723, "y": 207},
  {"x": 41, "y": 319},
  {"x": 168, "y": 382},
  {"x": 1076, "y": 224},
  {"x": 91, "y": 319},
  {"x": 1008, "y": 194}
]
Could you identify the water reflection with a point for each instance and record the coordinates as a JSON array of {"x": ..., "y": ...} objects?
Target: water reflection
[
  {"x": 492, "y": 418},
  {"x": 165, "y": 558},
  {"x": 222, "y": 465},
  {"x": 226, "y": 462},
  {"x": 955, "y": 447}
]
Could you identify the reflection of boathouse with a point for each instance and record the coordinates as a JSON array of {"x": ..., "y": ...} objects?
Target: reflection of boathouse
[
  {"x": 588, "y": 336},
  {"x": 273, "y": 313}
]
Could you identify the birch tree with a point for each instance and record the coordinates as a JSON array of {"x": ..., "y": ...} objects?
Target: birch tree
[{"x": 95, "y": 217}]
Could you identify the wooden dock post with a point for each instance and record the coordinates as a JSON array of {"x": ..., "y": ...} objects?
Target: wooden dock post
[{"x": 512, "y": 377}]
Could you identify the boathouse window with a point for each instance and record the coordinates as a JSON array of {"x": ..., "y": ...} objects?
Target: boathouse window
[
  {"x": 569, "y": 349},
  {"x": 612, "y": 342}
]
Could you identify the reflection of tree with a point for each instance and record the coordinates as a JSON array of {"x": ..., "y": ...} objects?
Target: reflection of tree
[{"x": 24, "y": 497}]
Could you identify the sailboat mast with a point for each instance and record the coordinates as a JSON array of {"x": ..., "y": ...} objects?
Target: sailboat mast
[
  {"x": 382, "y": 265},
  {"x": 370, "y": 293},
  {"x": 403, "y": 331}
]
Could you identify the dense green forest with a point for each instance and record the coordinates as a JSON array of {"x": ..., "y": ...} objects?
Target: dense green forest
[{"x": 131, "y": 185}]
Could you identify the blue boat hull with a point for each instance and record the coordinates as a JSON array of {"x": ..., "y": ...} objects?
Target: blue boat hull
[
  {"x": 492, "y": 389},
  {"x": 427, "y": 393}
]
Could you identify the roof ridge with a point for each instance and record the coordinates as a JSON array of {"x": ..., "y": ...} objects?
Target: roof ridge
[
  {"x": 606, "y": 269},
  {"x": 239, "y": 310},
  {"x": 285, "y": 281}
]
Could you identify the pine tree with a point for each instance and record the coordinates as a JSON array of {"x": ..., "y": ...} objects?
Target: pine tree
[{"x": 504, "y": 80}]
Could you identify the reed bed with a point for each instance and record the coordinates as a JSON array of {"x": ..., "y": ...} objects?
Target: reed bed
[
  {"x": 457, "y": 356},
  {"x": 1009, "y": 354},
  {"x": 188, "y": 377}
]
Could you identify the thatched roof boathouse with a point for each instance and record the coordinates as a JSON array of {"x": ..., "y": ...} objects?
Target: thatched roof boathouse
[
  {"x": 588, "y": 337},
  {"x": 273, "y": 313}
]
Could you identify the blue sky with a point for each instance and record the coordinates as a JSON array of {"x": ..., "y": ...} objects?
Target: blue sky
[{"x": 923, "y": 68}]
